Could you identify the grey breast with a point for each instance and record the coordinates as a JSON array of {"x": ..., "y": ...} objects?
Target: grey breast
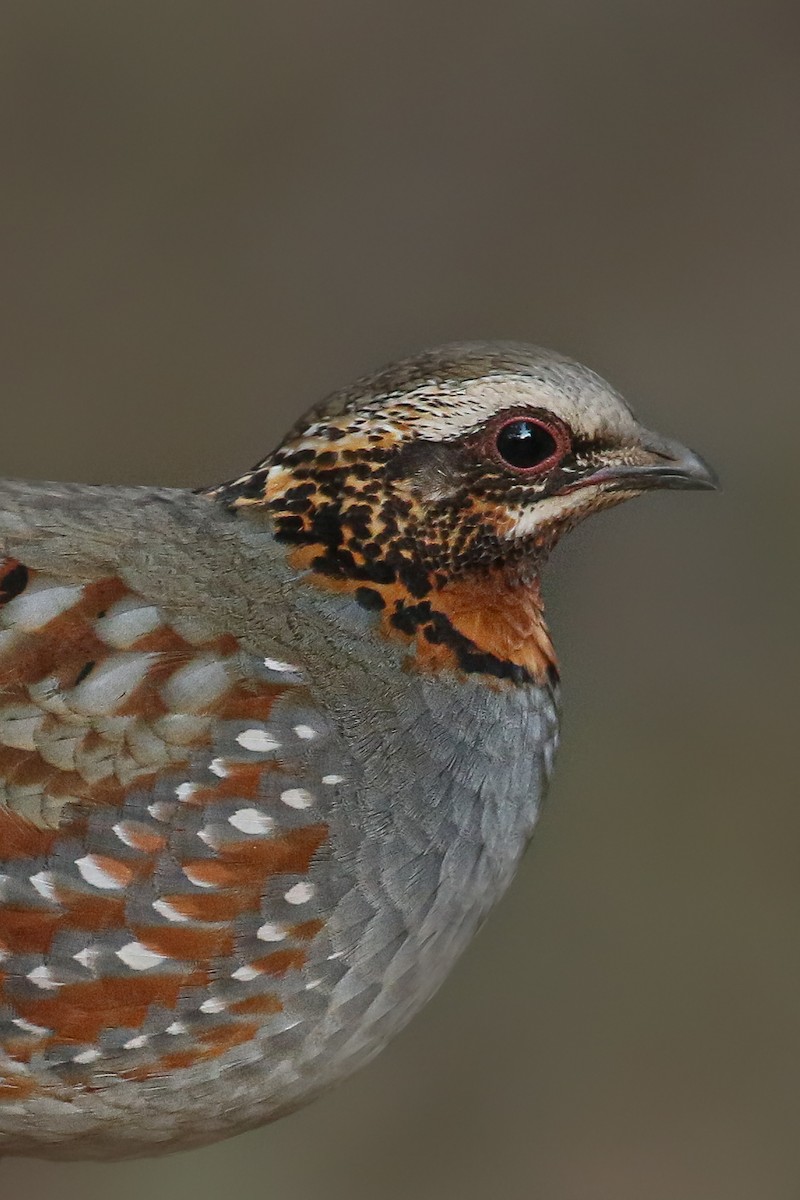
[{"x": 438, "y": 781}]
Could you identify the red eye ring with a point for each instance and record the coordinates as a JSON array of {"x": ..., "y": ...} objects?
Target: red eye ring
[{"x": 528, "y": 443}]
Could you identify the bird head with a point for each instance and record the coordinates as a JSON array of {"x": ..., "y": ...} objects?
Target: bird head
[{"x": 453, "y": 474}]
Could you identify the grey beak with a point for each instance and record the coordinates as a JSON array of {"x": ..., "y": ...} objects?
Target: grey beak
[{"x": 663, "y": 463}]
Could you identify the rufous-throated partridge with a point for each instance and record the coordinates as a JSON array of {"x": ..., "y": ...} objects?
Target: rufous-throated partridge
[{"x": 270, "y": 752}]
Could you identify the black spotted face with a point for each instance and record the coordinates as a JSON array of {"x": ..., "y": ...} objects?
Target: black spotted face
[
  {"x": 469, "y": 494},
  {"x": 466, "y": 459}
]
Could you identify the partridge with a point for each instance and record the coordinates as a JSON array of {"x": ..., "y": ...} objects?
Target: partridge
[{"x": 269, "y": 752}]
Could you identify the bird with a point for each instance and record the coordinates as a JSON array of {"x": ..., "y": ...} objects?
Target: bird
[{"x": 271, "y": 750}]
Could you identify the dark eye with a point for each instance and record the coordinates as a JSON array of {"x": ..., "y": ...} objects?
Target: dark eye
[{"x": 524, "y": 443}]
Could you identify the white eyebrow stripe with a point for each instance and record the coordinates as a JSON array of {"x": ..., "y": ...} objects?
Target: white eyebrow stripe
[{"x": 447, "y": 410}]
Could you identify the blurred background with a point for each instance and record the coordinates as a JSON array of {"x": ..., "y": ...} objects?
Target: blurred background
[{"x": 211, "y": 215}]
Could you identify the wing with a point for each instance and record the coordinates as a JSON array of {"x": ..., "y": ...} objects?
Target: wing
[{"x": 162, "y": 798}]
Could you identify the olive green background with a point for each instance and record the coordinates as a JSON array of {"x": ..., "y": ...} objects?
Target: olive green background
[{"x": 212, "y": 214}]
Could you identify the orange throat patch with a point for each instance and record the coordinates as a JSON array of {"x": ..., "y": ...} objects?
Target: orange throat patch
[
  {"x": 481, "y": 623},
  {"x": 503, "y": 620}
]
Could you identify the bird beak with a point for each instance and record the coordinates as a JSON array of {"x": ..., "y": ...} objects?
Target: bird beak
[{"x": 656, "y": 462}]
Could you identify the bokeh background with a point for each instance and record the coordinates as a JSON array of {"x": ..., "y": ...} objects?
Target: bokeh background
[{"x": 211, "y": 215}]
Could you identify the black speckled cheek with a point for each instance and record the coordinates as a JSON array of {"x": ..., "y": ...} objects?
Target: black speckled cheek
[{"x": 417, "y": 514}]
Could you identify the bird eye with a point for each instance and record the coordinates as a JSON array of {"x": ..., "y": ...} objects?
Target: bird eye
[{"x": 524, "y": 444}]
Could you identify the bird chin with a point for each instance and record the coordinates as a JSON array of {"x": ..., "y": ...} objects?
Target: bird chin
[{"x": 553, "y": 515}]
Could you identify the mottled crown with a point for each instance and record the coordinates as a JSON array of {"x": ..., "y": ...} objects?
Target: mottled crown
[{"x": 434, "y": 394}]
